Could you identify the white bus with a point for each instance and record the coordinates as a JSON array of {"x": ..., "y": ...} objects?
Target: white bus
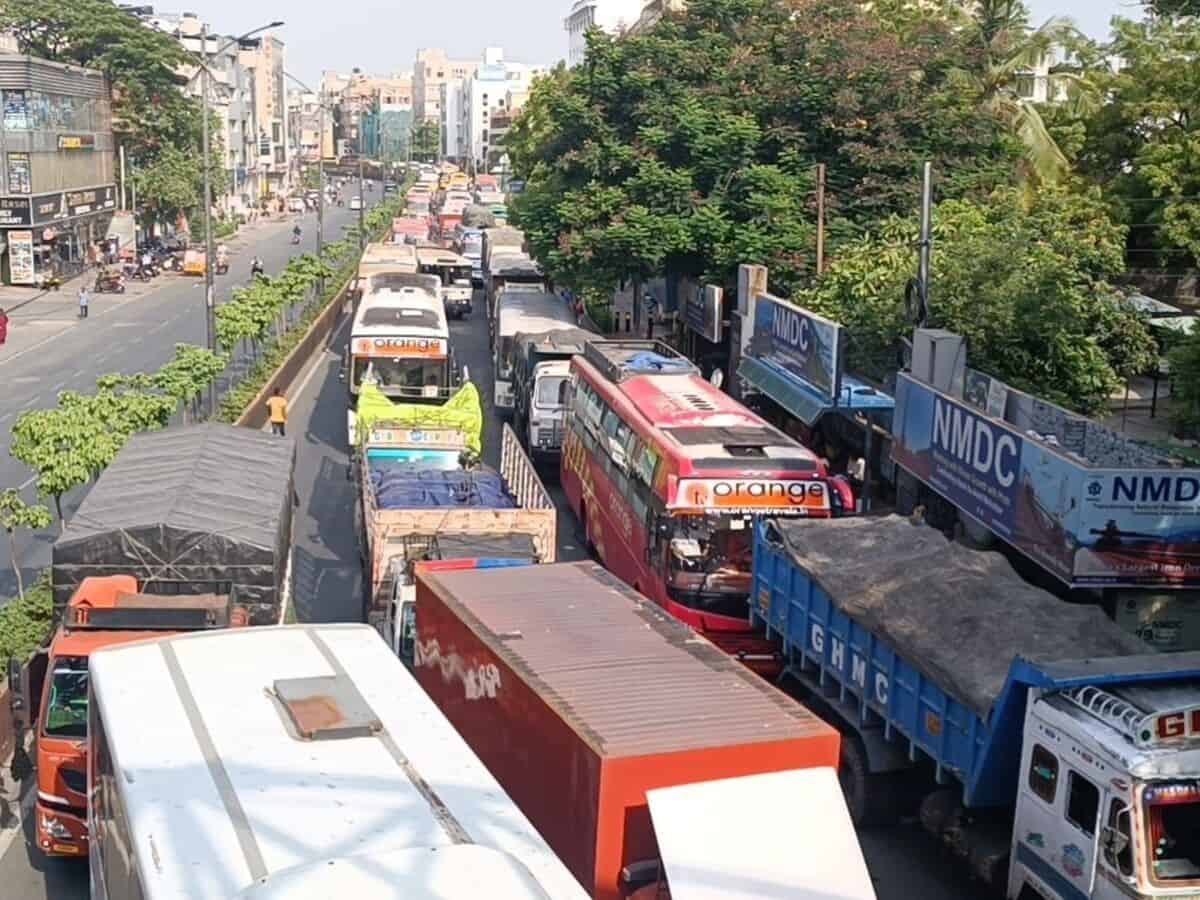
[
  {"x": 295, "y": 761},
  {"x": 524, "y": 309}
]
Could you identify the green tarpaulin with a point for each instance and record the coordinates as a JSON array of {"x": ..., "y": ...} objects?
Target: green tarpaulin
[{"x": 463, "y": 411}]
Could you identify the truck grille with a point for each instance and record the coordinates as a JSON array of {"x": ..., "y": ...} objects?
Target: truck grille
[{"x": 549, "y": 437}]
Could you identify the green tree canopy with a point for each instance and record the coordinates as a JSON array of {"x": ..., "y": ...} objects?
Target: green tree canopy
[
  {"x": 691, "y": 148},
  {"x": 1027, "y": 285}
]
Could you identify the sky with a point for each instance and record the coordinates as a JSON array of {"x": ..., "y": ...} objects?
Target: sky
[{"x": 383, "y": 37}]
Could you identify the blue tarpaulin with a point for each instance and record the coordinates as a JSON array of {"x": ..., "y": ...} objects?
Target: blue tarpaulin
[{"x": 399, "y": 484}]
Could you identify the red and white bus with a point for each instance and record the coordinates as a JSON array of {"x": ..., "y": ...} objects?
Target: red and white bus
[{"x": 665, "y": 473}]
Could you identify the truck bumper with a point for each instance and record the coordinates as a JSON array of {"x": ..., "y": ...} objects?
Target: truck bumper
[{"x": 60, "y": 833}]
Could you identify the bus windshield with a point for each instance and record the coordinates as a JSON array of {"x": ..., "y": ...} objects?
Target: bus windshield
[
  {"x": 400, "y": 373},
  {"x": 67, "y": 708},
  {"x": 708, "y": 562},
  {"x": 1173, "y": 822}
]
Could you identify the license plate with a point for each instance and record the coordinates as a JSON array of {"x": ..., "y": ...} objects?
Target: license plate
[{"x": 65, "y": 848}]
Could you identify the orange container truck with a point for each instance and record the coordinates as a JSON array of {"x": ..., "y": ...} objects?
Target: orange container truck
[{"x": 580, "y": 696}]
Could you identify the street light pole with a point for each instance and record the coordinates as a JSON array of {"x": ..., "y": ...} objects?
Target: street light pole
[
  {"x": 362, "y": 205},
  {"x": 209, "y": 340}
]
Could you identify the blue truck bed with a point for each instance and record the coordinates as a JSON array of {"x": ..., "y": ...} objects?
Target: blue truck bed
[{"x": 937, "y": 644}]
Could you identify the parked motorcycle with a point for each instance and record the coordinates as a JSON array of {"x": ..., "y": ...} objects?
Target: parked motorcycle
[{"x": 109, "y": 282}]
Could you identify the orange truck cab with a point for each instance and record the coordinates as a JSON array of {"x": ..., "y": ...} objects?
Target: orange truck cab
[{"x": 104, "y": 612}]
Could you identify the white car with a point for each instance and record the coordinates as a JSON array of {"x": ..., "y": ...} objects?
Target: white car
[
  {"x": 296, "y": 205},
  {"x": 356, "y": 203}
]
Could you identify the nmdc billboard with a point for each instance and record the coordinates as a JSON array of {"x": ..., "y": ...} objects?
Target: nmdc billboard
[{"x": 1092, "y": 508}]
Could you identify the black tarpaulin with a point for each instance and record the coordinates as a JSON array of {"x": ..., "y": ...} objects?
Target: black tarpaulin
[
  {"x": 958, "y": 615},
  {"x": 183, "y": 510}
]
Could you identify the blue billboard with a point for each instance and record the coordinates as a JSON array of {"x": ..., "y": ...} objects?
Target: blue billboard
[
  {"x": 798, "y": 341},
  {"x": 1087, "y": 525}
]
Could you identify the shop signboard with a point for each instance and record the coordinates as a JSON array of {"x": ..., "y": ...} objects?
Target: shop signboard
[
  {"x": 20, "y": 257},
  {"x": 702, "y": 311},
  {"x": 1089, "y": 526},
  {"x": 108, "y": 196},
  {"x": 48, "y": 208},
  {"x": 76, "y": 142},
  {"x": 19, "y": 178},
  {"x": 799, "y": 341},
  {"x": 14, "y": 212}
]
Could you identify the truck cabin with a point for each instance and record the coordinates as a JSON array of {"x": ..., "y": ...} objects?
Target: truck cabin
[
  {"x": 104, "y": 612},
  {"x": 400, "y": 339}
]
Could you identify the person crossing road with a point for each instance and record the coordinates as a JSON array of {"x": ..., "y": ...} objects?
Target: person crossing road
[{"x": 278, "y": 408}]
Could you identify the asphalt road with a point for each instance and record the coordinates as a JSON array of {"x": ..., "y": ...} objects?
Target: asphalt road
[
  {"x": 904, "y": 862},
  {"x": 50, "y": 349}
]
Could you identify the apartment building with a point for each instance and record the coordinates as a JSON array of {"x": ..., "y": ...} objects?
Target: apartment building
[
  {"x": 486, "y": 115},
  {"x": 59, "y": 190},
  {"x": 612, "y": 16},
  {"x": 265, "y": 58},
  {"x": 431, "y": 70},
  {"x": 453, "y": 148}
]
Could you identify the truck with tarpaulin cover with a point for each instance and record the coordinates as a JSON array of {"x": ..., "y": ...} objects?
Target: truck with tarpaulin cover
[
  {"x": 1094, "y": 515},
  {"x": 1058, "y": 757},
  {"x": 424, "y": 494},
  {"x": 540, "y": 364}
]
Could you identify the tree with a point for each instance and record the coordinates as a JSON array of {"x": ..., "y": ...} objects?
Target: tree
[
  {"x": 1027, "y": 285},
  {"x": 16, "y": 513},
  {"x": 692, "y": 148},
  {"x": 171, "y": 184},
  {"x": 427, "y": 140},
  {"x": 1174, "y": 7}
]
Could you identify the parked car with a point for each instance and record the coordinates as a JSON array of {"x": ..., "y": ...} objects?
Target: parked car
[
  {"x": 296, "y": 205},
  {"x": 356, "y": 202}
]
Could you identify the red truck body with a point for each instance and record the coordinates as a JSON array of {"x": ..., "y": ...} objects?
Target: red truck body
[{"x": 580, "y": 695}]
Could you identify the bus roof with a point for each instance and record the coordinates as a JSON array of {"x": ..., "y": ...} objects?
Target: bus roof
[
  {"x": 439, "y": 256},
  {"x": 223, "y": 798},
  {"x": 411, "y": 310},
  {"x": 531, "y": 311},
  {"x": 698, "y": 420}
]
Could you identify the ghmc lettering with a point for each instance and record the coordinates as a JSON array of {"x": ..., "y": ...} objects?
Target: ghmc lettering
[{"x": 976, "y": 443}]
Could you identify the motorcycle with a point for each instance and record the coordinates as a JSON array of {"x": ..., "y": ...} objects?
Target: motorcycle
[{"x": 109, "y": 283}]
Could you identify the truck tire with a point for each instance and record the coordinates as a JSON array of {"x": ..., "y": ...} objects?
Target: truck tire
[{"x": 871, "y": 799}]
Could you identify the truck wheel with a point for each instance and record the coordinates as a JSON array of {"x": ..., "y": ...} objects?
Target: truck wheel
[{"x": 870, "y": 798}]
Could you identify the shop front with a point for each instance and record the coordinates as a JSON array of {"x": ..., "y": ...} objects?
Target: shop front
[{"x": 50, "y": 236}]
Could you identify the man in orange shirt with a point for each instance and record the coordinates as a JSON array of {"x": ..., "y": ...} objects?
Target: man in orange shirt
[{"x": 277, "y": 405}]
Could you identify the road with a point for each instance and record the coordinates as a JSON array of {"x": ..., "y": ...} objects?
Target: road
[
  {"x": 50, "y": 349},
  {"x": 904, "y": 861}
]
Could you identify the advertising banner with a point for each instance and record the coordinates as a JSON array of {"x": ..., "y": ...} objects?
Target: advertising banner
[
  {"x": 20, "y": 257},
  {"x": 751, "y": 495},
  {"x": 702, "y": 311},
  {"x": 14, "y": 212},
  {"x": 48, "y": 208},
  {"x": 429, "y": 348},
  {"x": 1088, "y": 526},
  {"x": 799, "y": 341}
]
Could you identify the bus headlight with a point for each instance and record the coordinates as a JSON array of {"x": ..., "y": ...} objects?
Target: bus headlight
[{"x": 55, "y": 828}]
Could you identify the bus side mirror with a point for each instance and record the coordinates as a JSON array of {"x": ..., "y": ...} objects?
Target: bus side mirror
[
  {"x": 1113, "y": 841},
  {"x": 16, "y": 691}
]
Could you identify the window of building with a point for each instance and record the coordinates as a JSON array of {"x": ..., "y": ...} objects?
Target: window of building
[
  {"x": 485, "y": 136},
  {"x": 277, "y": 132},
  {"x": 16, "y": 111},
  {"x": 1043, "y": 773},
  {"x": 1083, "y": 803},
  {"x": 1025, "y": 85}
]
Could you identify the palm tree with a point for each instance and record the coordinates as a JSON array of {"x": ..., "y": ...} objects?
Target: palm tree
[{"x": 1007, "y": 49}]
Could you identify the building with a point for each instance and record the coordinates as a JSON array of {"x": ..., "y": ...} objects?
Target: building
[
  {"x": 430, "y": 71},
  {"x": 59, "y": 190},
  {"x": 485, "y": 115},
  {"x": 304, "y": 123},
  {"x": 652, "y": 12},
  {"x": 265, "y": 58},
  {"x": 451, "y": 104},
  {"x": 612, "y": 16}
]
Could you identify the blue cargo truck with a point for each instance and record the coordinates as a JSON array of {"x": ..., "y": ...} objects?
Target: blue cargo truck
[{"x": 1038, "y": 740}]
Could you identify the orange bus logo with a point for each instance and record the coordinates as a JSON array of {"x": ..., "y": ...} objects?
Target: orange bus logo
[
  {"x": 751, "y": 494},
  {"x": 432, "y": 348}
]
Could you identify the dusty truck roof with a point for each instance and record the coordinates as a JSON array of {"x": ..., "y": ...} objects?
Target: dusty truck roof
[
  {"x": 959, "y": 615},
  {"x": 627, "y": 677}
]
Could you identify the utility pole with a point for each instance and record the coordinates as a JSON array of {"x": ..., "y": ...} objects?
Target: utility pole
[
  {"x": 820, "y": 218},
  {"x": 207, "y": 201},
  {"x": 926, "y": 239},
  {"x": 321, "y": 197},
  {"x": 362, "y": 196}
]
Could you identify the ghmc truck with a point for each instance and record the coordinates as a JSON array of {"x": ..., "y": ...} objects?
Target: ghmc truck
[{"x": 1044, "y": 745}]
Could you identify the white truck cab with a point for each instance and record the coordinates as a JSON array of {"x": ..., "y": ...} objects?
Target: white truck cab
[
  {"x": 548, "y": 406},
  {"x": 1108, "y": 802}
]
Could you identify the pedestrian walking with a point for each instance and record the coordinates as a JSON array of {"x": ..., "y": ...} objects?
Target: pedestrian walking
[
  {"x": 3, "y": 327},
  {"x": 84, "y": 300},
  {"x": 277, "y": 406}
]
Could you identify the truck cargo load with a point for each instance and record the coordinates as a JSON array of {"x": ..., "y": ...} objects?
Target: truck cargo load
[
  {"x": 297, "y": 761},
  {"x": 188, "y": 510},
  {"x": 1014, "y": 707},
  {"x": 594, "y": 697}
]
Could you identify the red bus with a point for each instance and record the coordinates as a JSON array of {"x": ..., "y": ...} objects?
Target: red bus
[{"x": 665, "y": 473}]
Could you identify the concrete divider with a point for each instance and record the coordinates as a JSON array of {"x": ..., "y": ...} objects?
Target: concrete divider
[
  {"x": 255, "y": 414},
  {"x": 7, "y": 739}
]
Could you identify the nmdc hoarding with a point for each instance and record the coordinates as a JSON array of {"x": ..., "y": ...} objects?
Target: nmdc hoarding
[
  {"x": 1090, "y": 525},
  {"x": 797, "y": 341}
]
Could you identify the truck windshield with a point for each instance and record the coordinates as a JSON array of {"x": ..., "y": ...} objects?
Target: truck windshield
[
  {"x": 399, "y": 373},
  {"x": 1173, "y": 821},
  {"x": 551, "y": 392},
  {"x": 708, "y": 562},
  {"x": 67, "y": 708}
]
